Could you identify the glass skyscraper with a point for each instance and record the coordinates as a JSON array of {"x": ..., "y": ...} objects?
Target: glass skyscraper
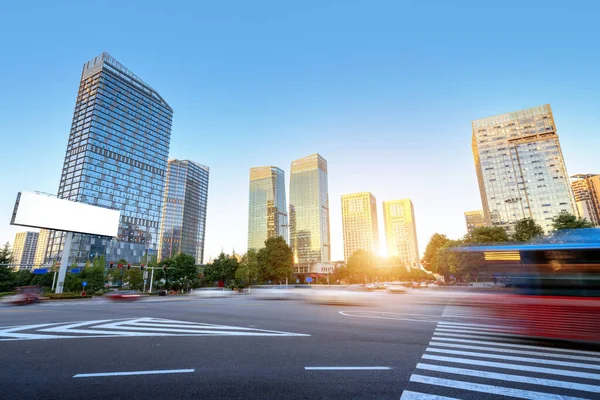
[
  {"x": 474, "y": 219},
  {"x": 116, "y": 158},
  {"x": 309, "y": 212},
  {"x": 359, "y": 223},
  {"x": 586, "y": 188},
  {"x": 401, "y": 232},
  {"x": 520, "y": 168},
  {"x": 184, "y": 210},
  {"x": 267, "y": 210}
]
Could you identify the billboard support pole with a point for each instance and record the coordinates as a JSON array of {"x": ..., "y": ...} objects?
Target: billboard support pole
[{"x": 64, "y": 262}]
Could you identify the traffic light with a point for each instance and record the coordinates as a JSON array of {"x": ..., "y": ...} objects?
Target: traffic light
[
  {"x": 165, "y": 268},
  {"x": 120, "y": 265},
  {"x": 142, "y": 267},
  {"x": 128, "y": 267},
  {"x": 112, "y": 264}
]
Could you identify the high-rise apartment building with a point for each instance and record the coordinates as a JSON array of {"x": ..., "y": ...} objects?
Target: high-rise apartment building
[
  {"x": 267, "y": 210},
  {"x": 586, "y": 189},
  {"x": 116, "y": 158},
  {"x": 42, "y": 246},
  {"x": 24, "y": 249},
  {"x": 401, "y": 231},
  {"x": 474, "y": 219},
  {"x": 520, "y": 168},
  {"x": 309, "y": 212},
  {"x": 183, "y": 222},
  {"x": 359, "y": 223}
]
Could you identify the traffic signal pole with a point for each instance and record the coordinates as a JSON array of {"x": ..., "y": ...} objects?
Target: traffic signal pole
[{"x": 151, "y": 280}]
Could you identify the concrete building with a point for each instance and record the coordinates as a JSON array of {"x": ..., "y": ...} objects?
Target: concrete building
[
  {"x": 359, "y": 223},
  {"x": 42, "y": 246},
  {"x": 24, "y": 250},
  {"x": 309, "y": 212},
  {"x": 183, "y": 223},
  {"x": 520, "y": 168},
  {"x": 401, "y": 232},
  {"x": 586, "y": 189},
  {"x": 474, "y": 219},
  {"x": 267, "y": 209}
]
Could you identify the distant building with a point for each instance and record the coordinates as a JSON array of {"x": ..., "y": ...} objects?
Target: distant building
[
  {"x": 474, "y": 219},
  {"x": 309, "y": 212},
  {"x": 401, "y": 231},
  {"x": 359, "y": 222},
  {"x": 24, "y": 249},
  {"x": 267, "y": 209},
  {"x": 586, "y": 189},
  {"x": 184, "y": 210},
  {"x": 42, "y": 245},
  {"x": 520, "y": 168}
]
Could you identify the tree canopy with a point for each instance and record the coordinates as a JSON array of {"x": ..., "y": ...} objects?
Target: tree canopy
[
  {"x": 222, "y": 269},
  {"x": 486, "y": 234},
  {"x": 566, "y": 220},
  {"x": 249, "y": 269},
  {"x": 526, "y": 230},
  {"x": 276, "y": 259}
]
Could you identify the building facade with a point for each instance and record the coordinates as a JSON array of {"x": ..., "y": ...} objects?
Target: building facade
[
  {"x": 42, "y": 246},
  {"x": 586, "y": 189},
  {"x": 474, "y": 219},
  {"x": 267, "y": 209},
  {"x": 309, "y": 212},
  {"x": 359, "y": 223},
  {"x": 116, "y": 158},
  {"x": 183, "y": 222},
  {"x": 401, "y": 232},
  {"x": 520, "y": 168},
  {"x": 24, "y": 250}
]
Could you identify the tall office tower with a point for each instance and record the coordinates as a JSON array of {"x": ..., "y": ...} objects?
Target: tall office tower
[
  {"x": 520, "y": 168},
  {"x": 40, "y": 250},
  {"x": 474, "y": 219},
  {"x": 309, "y": 212},
  {"x": 401, "y": 231},
  {"x": 267, "y": 210},
  {"x": 184, "y": 210},
  {"x": 24, "y": 250},
  {"x": 359, "y": 223},
  {"x": 116, "y": 158},
  {"x": 586, "y": 189}
]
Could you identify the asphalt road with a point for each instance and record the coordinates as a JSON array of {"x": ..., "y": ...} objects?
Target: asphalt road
[{"x": 243, "y": 348}]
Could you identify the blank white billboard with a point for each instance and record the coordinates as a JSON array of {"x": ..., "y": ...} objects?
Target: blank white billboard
[{"x": 40, "y": 211}]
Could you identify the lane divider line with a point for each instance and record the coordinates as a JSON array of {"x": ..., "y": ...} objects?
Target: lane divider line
[
  {"x": 155, "y": 372},
  {"x": 347, "y": 368}
]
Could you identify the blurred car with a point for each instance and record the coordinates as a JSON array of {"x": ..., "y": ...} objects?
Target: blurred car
[
  {"x": 21, "y": 299},
  {"x": 162, "y": 292},
  {"x": 273, "y": 293},
  {"x": 395, "y": 288},
  {"x": 423, "y": 285},
  {"x": 340, "y": 297},
  {"x": 212, "y": 292},
  {"x": 124, "y": 295},
  {"x": 415, "y": 285}
]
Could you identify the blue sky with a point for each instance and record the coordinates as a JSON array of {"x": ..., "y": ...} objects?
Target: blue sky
[{"x": 384, "y": 90}]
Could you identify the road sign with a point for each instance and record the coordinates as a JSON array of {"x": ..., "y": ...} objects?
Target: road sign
[
  {"x": 145, "y": 281},
  {"x": 145, "y": 274},
  {"x": 308, "y": 279},
  {"x": 40, "y": 271},
  {"x": 84, "y": 283},
  {"x": 75, "y": 270}
]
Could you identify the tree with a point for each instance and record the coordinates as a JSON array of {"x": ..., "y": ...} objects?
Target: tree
[
  {"x": 249, "y": 269},
  {"x": 133, "y": 279},
  {"x": 566, "y": 220},
  {"x": 6, "y": 283},
  {"x": 184, "y": 270},
  {"x": 22, "y": 278},
  {"x": 486, "y": 234},
  {"x": 276, "y": 259},
  {"x": 360, "y": 265},
  {"x": 222, "y": 269},
  {"x": 431, "y": 257},
  {"x": 526, "y": 230}
]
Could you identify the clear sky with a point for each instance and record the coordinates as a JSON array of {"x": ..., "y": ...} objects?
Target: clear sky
[{"x": 384, "y": 90}]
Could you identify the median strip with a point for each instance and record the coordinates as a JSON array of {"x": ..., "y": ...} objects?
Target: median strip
[
  {"x": 346, "y": 368},
  {"x": 155, "y": 372}
]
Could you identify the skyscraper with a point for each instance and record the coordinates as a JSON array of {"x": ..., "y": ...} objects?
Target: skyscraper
[
  {"x": 474, "y": 219},
  {"x": 359, "y": 223},
  {"x": 40, "y": 250},
  {"x": 267, "y": 210},
  {"x": 520, "y": 168},
  {"x": 24, "y": 249},
  {"x": 184, "y": 210},
  {"x": 116, "y": 158},
  {"x": 309, "y": 212},
  {"x": 401, "y": 231},
  {"x": 586, "y": 189}
]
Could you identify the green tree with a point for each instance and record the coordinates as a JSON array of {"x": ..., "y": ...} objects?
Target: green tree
[
  {"x": 526, "y": 230},
  {"x": 566, "y": 220},
  {"x": 94, "y": 274},
  {"x": 487, "y": 234},
  {"x": 222, "y": 269},
  {"x": 22, "y": 278},
  {"x": 360, "y": 265},
  {"x": 133, "y": 279},
  {"x": 276, "y": 259},
  {"x": 249, "y": 270},
  {"x": 184, "y": 270},
  {"x": 6, "y": 276},
  {"x": 431, "y": 258}
]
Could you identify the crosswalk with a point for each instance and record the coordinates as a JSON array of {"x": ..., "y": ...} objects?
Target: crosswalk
[
  {"x": 129, "y": 327},
  {"x": 479, "y": 361}
]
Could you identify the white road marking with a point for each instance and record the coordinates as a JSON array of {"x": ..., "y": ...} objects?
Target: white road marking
[
  {"x": 162, "y": 371},
  {"x": 517, "y": 367},
  {"x": 511, "y": 378},
  {"x": 511, "y": 358},
  {"x": 408, "y": 395},
  {"x": 496, "y": 390},
  {"x": 346, "y": 368},
  {"x": 503, "y": 336},
  {"x": 392, "y": 318}
]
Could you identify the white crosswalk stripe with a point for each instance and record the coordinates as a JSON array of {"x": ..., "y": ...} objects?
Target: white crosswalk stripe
[
  {"x": 130, "y": 327},
  {"x": 484, "y": 362}
]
